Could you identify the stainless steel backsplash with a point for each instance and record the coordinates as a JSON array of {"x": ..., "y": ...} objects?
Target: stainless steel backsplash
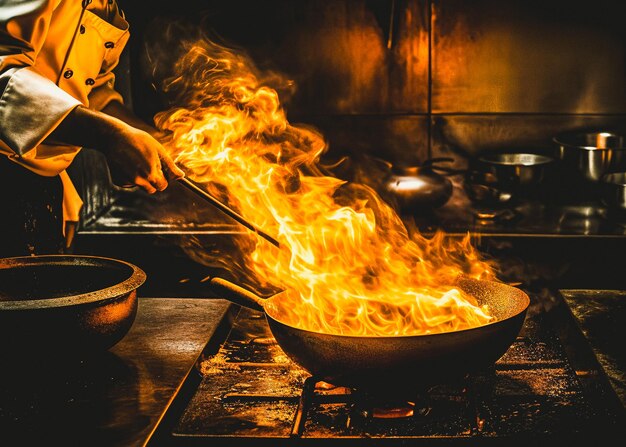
[{"x": 407, "y": 80}]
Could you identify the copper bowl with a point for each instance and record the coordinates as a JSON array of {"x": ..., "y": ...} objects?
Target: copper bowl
[{"x": 66, "y": 304}]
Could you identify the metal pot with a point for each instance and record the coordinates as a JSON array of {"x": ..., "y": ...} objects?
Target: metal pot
[
  {"x": 501, "y": 177},
  {"x": 592, "y": 154},
  {"x": 517, "y": 169},
  {"x": 613, "y": 194},
  {"x": 417, "y": 188},
  {"x": 387, "y": 363},
  {"x": 66, "y": 304}
]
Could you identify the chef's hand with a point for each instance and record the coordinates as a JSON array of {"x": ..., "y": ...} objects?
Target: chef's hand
[{"x": 136, "y": 158}]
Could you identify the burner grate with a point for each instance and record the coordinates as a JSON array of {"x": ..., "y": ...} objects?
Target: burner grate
[{"x": 251, "y": 391}]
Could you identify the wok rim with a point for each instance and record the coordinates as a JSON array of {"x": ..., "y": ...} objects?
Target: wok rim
[
  {"x": 520, "y": 292},
  {"x": 135, "y": 279}
]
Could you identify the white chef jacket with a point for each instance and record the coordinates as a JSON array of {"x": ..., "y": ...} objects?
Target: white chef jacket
[{"x": 54, "y": 56}]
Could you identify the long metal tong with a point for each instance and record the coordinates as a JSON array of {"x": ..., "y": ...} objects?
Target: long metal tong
[{"x": 227, "y": 210}]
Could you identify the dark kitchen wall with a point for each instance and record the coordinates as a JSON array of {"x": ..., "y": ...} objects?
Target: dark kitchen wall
[
  {"x": 515, "y": 73},
  {"x": 360, "y": 68},
  {"x": 406, "y": 80},
  {"x": 409, "y": 79}
]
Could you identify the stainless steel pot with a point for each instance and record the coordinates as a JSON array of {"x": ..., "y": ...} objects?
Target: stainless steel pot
[
  {"x": 592, "y": 154},
  {"x": 518, "y": 169},
  {"x": 498, "y": 178},
  {"x": 613, "y": 193},
  {"x": 418, "y": 188},
  {"x": 66, "y": 305}
]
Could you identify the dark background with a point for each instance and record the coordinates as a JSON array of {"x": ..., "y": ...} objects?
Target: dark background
[{"x": 401, "y": 80}]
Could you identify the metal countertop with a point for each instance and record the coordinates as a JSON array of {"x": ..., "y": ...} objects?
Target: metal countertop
[{"x": 118, "y": 397}]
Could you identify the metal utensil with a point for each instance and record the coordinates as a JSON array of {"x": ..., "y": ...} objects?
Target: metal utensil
[
  {"x": 519, "y": 169},
  {"x": 499, "y": 178},
  {"x": 392, "y": 362},
  {"x": 613, "y": 193},
  {"x": 592, "y": 154},
  {"x": 66, "y": 305},
  {"x": 417, "y": 188},
  {"x": 226, "y": 210}
]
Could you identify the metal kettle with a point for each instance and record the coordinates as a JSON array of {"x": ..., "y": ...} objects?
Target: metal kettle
[{"x": 417, "y": 188}]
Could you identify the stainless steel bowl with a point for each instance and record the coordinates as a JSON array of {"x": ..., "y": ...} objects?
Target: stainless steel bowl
[
  {"x": 501, "y": 177},
  {"x": 518, "y": 169},
  {"x": 613, "y": 193},
  {"x": 592, "y": 154}
]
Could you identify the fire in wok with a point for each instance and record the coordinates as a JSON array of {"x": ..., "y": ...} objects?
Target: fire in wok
[{"x": 349, "y": 265}]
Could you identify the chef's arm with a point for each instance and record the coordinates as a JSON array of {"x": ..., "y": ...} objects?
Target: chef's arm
[
  {"x": 120, "y": 111},
  {"x": 133, "y": 155},
  {"x": 31, "y": 105}
]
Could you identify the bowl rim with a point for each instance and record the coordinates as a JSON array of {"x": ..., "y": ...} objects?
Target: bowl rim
[
  {"x": 561, "y": 140},
  {"x": 135, "y": 279},
  {"x": 492, "y": 159}
]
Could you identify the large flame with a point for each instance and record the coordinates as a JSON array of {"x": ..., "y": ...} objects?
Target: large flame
[{"x": 346, "y": 261}]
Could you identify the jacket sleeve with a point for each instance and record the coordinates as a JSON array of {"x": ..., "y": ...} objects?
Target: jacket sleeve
[{"x": 31, "y": 105}]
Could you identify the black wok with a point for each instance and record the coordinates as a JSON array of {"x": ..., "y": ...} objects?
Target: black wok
[{"x": 395, "y": 361}]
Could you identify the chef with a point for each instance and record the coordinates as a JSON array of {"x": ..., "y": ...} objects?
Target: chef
[{"x": 57, "y": 95}]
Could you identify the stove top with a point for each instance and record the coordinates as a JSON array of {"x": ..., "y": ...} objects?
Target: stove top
[{"x": 252, "y": 394}]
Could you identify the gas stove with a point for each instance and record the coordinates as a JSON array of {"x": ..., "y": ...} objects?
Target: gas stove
[{"x": 547, "y": 387}]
